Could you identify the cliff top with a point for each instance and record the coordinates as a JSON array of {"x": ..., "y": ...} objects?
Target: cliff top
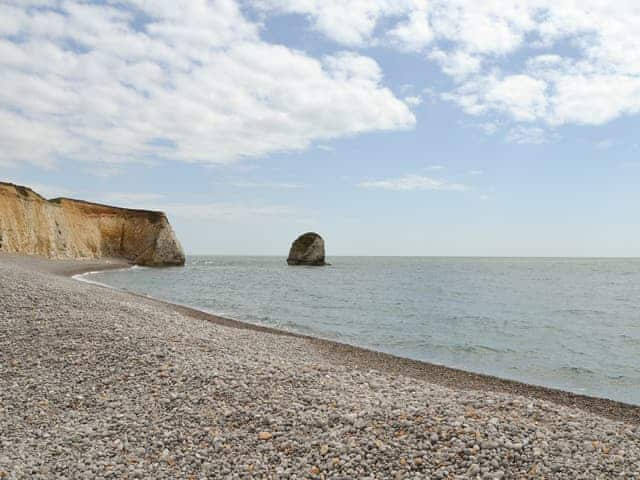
[
  {"x": 22, "y": 190},
  {"x": 27, "y": 192}
]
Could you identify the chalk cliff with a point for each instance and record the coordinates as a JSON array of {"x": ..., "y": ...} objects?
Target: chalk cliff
[{"x": 65, "y": 228}]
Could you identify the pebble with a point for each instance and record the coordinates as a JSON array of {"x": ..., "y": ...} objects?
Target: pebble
[{"x": 96, "y": 383}]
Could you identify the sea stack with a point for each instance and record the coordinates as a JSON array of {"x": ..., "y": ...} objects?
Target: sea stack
[{"x": 307, "y": 249}]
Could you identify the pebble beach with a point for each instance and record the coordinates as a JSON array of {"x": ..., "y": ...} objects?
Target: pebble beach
[{"x": 97, "y": 383}]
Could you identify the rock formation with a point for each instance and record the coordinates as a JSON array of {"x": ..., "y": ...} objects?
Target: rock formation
[
  {"x": 65, "y": 228},
  {"x": 307, "y": 249}
]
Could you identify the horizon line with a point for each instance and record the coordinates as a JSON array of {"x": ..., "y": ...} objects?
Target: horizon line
[{"x": 423, "y": 256}]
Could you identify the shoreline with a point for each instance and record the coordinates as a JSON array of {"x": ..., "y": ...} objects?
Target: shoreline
[
  {"x": 354, "y": 356},
  {"x": 102, "y": 383},
  {"x": 64, "y": 267}
]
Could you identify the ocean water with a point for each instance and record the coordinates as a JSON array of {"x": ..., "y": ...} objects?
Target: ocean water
[{"x": 572, "y": 324}]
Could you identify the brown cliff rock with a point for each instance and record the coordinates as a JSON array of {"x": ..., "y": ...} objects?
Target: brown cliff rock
[
  {"x": 65, "y": 228},
  {"x": 307, "y": 249}
]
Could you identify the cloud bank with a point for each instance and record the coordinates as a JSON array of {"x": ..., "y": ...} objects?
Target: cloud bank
[
  {"x": 581, "y": 58},
  {"x": 138, "y": 81},
  {"x": 120, "y": 81}
]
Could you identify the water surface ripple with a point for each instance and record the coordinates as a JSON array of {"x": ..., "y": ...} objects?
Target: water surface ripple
[{"x": 572, "y": 324}]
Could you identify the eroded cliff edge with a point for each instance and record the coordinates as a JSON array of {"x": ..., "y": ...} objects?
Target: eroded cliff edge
[{"x": 66, "y": 228}]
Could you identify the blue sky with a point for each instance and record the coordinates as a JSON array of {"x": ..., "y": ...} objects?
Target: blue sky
[{"x": 392, "y": 128}]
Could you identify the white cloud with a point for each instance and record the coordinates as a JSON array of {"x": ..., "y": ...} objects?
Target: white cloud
[
  {"x": 530, "y": 135},
  {"x": 519, "y": 96},
  {"x": 131, "y": 199},
  {"x": 413, "y": 101},
  {"x": 226, "y": 212},
  {"x": 414, "y": 33},
  {"x": 104, "y": 171},
  {"x": 270, "y": 185},
  {"x": 349, "y": 23},
  {"x": 326, "y": 148},
  {"x": 475, "y": 172},
  {"x": 606, "y": 144},
  {"x": 414, "y": 182},
  {"x": 457, "y": 64},
  {"x": 475, "y": 43},
  {"x": 594, "y": 99},
  {"x": 194, "y": 83},
  {"x": 488, "y": 128}
]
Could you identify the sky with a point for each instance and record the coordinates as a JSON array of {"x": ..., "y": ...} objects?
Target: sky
[{"x": 391, "y": 127}]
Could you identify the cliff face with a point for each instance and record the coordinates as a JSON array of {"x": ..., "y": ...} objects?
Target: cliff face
[{"x": 64, "y": 228}]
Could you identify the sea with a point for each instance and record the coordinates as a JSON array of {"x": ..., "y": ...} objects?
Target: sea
[{"x": 566, "y": 323}]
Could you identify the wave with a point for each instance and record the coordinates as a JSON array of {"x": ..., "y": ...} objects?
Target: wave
[
  {"x": 82, "y": 277},
  {"x": 479, "y": 348},
  {"x": 580, "y": 311},
  {"x": 537, "y": 333},
  {"x": 577, "y": 371},
  {"x": 629, "y": 340}
]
